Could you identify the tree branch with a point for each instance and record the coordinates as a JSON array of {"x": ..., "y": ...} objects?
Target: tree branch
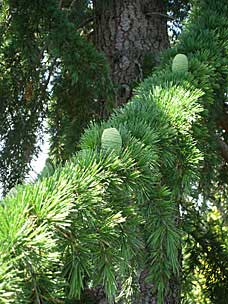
[
  {"x": 85, "y": 22},
  {"x": 149, "y": 14},
  {"x": 50, "y": 71},
  {"x": 60, "y": 3},
  {"x": 72, "y": 4},
  {"x": 69, "y": 8}
]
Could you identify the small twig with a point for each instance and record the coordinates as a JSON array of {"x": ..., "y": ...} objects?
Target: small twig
[
  {"x": 84, "y": 23},
  {"x": 33, "y": 276},
  {"x": 69, "y": 8},
  {"x": 49, "y": 299},
  {"x": 72, "y": 4},
  {"x": 159, "y": 14},
  {"x": 50, "y": 71},
  {"x": 60, "y": 3}
]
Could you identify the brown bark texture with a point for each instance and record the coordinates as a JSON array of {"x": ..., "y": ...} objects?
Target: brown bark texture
[
  {"x": 127, "y": 30},
  {"x": 146, "y": 295}
]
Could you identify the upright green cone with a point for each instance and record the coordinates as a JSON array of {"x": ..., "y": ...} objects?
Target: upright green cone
[
  {"x": 111, "y": 140},
  {"x": 180, "y": 64}
]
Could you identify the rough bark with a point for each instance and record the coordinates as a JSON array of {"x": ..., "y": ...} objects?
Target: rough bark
[
  {"x": 127, "y": 30},
  {"x": 146, "y": 296},
  {"x": 146, "y": 291}
]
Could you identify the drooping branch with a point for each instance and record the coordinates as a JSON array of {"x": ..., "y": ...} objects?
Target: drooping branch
[
  {"x": 60, "y": 4},
  {"x": 149, "y": 14},
  {"x": 85, "y": 22},
  {"x": 72, "y": 4}
]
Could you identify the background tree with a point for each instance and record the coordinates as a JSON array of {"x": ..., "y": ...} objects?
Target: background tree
[{"x": 35, "y": 43}]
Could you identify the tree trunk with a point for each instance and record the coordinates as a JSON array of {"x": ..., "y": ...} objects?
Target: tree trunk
[
  {"x": 146, "y": 296},
  {"x": 127, "y": 31}
]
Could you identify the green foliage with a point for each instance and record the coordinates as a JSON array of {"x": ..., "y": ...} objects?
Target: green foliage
[
  {"x": 100, "y": 214},
  {"x": 100, "y": 218},
  {"x": 41, "y": 49},
  {"x": 49, "y": 69},
  {"x": 206, "y": 256}
]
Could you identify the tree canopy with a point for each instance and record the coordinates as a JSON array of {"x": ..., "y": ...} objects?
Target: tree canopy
[
  {"x": 48, "y": 69},
  {"x": 104, "y": 214}
]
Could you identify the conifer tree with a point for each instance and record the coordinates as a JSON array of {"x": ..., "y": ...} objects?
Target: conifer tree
[
  {"x": 48, "y": 68},
  {"x": 113, "y": 207}
]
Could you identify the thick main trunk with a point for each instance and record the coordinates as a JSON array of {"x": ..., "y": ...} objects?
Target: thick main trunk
[
  {"x": 126, "y": 31},
  {"x": 146, "y": 296}
]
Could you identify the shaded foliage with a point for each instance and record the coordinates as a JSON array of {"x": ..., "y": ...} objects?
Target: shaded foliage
[
  {"x": 48, "y": 69},
  {"x": 104, "y": 216},
  {"x": 35, "y": 41},
  {"x": 107, "y": 215}
]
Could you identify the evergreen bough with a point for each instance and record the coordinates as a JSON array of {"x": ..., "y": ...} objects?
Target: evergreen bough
[{"x": 104, "y": 216}]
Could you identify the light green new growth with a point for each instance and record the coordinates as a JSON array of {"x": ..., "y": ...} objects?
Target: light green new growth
[{"x": 111, "y": 140}]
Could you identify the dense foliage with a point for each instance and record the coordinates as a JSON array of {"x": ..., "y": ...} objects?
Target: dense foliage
[
  {"x": 103, "y": 215},
  {"x": 49, "y": 69},
  {"x": 34, "y": 49}
]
